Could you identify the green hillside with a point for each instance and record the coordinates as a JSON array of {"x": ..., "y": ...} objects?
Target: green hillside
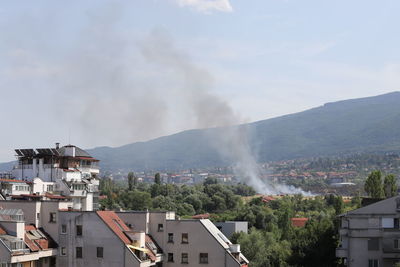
[{"x": 359, "y": 125}]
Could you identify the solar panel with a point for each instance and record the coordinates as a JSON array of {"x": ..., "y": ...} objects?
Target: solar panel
[
  {"x": 18, "y": 152},
  {"x": 27, "y": 152},
  {"x": 55, "y": 151},
  {"x": 45, "y": 151}
]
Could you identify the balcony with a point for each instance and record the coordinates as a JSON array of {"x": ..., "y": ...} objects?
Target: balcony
[{"x": 15, "y": 245}]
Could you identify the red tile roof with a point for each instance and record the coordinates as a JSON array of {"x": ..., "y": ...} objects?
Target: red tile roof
[
  {"x": 51, "y": 196},
  {"x": 299, "y": 222},
  {"x": 115, "y": 224},
  {"x": 35, "y": 242},
  {"x": 267, "y": 199},
  {"x": 31, "y": 244},
  {"x": 13, "y": 181},
  {"x": 30, "y": 227},
  {"x": 201, "y": 216},
  {"x": 2, "y": 231}
]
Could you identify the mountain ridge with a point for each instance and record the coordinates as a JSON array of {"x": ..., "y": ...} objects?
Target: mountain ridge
[
  {"x": 361, "y": 125},
  {"x": 366, "y": 124}
]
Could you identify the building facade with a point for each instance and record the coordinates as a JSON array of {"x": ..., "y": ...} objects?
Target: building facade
[
  {"x": 67, "y": 171},
  {"x": 52, "y": 193},
  {"x": 369, "y": 236}
]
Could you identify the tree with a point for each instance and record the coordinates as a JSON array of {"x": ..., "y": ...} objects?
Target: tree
[
  {"x": 157, "y": 178},
  {"x": 135, "y": 200},
  {"x": 373, "y": 185},
  {"x": 338, "y": 205},
  {"x": 131, "y": 182},
  {"x": 389, "y": 186}
]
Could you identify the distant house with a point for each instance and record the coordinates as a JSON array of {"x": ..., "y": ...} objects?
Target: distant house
[{"x": 299, "y": 222}]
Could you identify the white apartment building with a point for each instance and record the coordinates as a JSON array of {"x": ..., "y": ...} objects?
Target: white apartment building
[{"x": 68, "y": 171}]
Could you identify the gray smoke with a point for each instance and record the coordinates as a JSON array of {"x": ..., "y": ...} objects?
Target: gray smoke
[
  {"x": 118, "y": 86},
  {"x": 209, "y": 110}
]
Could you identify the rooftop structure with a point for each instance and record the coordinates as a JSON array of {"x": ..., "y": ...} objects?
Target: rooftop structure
[{"x": 66, "y": 171}]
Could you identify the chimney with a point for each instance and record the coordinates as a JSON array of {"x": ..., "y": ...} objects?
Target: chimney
[{"x": 57, "y": 145}]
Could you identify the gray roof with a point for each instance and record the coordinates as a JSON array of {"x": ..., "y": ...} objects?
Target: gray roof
[
  {"x": 386, "y": 206},
  {"x": 79, "y": 152}
]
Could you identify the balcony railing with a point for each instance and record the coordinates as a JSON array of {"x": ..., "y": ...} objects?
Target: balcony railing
[{"x": 16, "y": 246}]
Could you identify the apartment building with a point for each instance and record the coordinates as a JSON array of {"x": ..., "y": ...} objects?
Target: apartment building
[
  {"x": 102, "y": 239},
  {"x": 370, "y": 236},
  {"x": 186, "y": 242},
  {"x": 23, "y": 245},
  {"x": 49, "y": 203},
  {"x": 68, "y": 171}
]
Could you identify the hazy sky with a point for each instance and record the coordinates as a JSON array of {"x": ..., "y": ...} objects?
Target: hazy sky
[{"x": 113, "y": 72}]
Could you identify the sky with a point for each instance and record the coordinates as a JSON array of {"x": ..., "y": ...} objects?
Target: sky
[{"x": 108, "y": 73}]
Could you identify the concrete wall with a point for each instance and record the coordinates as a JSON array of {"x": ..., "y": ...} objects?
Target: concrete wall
[
  {"x": 5, "y": 255},
  {"x": 200, "y": 241},
  {"x": 95, "y": 234},
  {"x": 138, "y": 221},
  {"x": 16, "y": 229},
  {"x": 228, "y": 228},
  {"x": 30, "y": 208}
]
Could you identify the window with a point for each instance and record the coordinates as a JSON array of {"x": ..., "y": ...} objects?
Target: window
[
  {"x": 373, "y": 243},
  {"x": 203, "y": 257},
  {"x": 170, "y": 238},
  {"x": 396, "y": 243},
  {"x": 78, "y": 187},
  {"x": 79, "y": 252},
  {"x": 63, "y": 228},
  {"x": 185, "y": 238},
  {"x": 52, "y": 218},
  {"x": 63, "y": 251},
  {"x": 387, "y": 222},
  {"x": 99, "y": 252},
  {"x": 184, "y": 258},
  {"x": 37, "y": 215},
  {"x": 170, "y": 257},
  {"x": 160, "y": 227},
  {"x": 79, "y": 230},
  {"x": 373, "y": 263},
  {"x": 50, "y": 188}
]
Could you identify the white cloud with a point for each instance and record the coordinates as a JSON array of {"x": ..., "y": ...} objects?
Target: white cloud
[{"x": 207, "y": 6}]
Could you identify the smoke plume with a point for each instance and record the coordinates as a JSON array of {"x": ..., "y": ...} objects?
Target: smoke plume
[
  {"x": 117, "y": 87},
  {"x": 209, "y": 110}
]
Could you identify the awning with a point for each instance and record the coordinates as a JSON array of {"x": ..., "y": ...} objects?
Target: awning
[{"x": 138, "y": 248}]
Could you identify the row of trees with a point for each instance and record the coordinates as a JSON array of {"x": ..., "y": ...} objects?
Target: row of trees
[
  {"x": 209, "y": 197},
  {"x": 376, "y": 188},
  {"x": 272, "y": 240}
]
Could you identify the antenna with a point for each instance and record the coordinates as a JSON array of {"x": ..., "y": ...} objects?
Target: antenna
[{"x": 69, "y": 135}]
